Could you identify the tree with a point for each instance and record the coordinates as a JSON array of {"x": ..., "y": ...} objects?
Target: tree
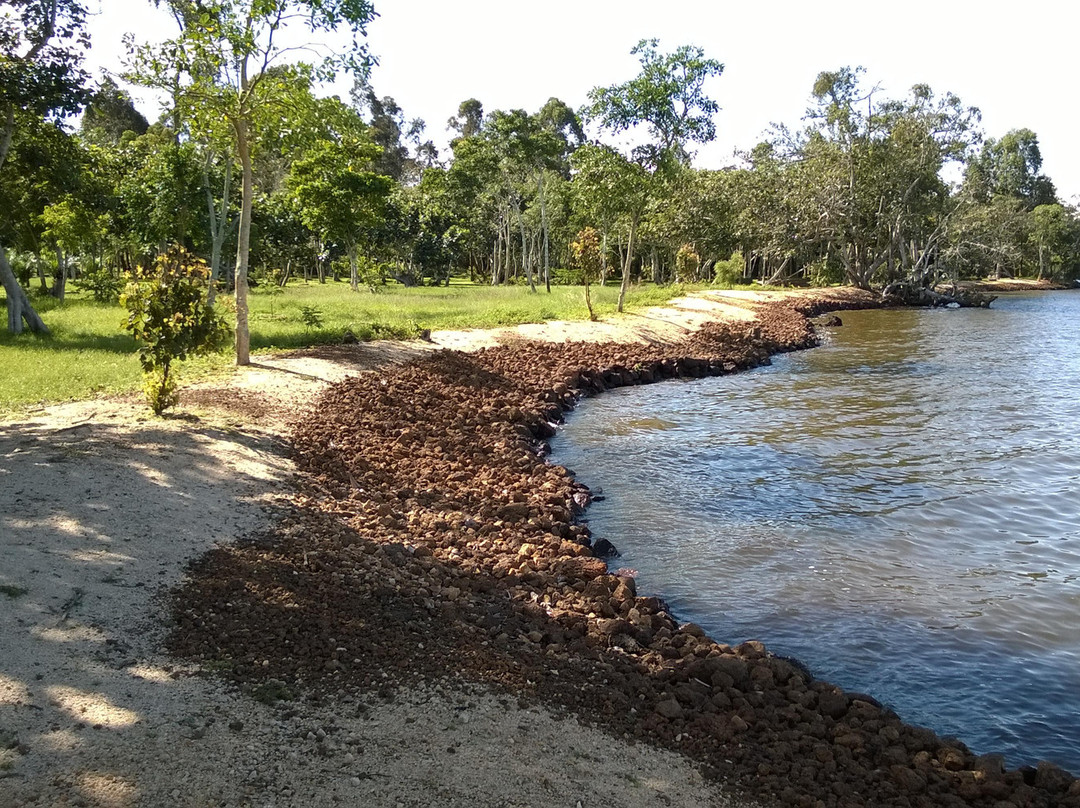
[
  {"x": 1052, "y": 231},
  {"x": 469, "y": 120},
  {"x": 585, "y": 253},
  {"x": 224, "y": 64},
  {"x": 1010, "y": 167},
  {"x": 668, "y": 98},
  {"x": 109, "y": 114},
  {"x": 167, "y": 311},
  {"x": 862, "y": 180},
  {"x": 611, "y": 186},
  {"x": 339, "y": 195},
  {"x": 41, "y": 44}
]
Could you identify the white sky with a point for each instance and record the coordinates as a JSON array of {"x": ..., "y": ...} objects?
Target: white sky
[{"x": 1016, "y": 62}]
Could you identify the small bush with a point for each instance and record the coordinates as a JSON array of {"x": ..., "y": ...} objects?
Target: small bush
[
  {"x": 311, "y": 316},
  {"x": 728, "y": 273},
  {"x": 687, "y": 262},
  {"x": 167, "y": 311},
  {"x": 102, "y": 283}
]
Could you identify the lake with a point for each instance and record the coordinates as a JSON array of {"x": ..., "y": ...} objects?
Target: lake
[{"x": 898, "y": 509}]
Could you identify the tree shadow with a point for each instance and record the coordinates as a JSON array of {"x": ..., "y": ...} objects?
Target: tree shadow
[{"x": 96, "y": 523}]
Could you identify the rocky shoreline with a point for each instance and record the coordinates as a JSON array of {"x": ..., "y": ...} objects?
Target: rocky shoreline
[{"x": 428, "y": 536}]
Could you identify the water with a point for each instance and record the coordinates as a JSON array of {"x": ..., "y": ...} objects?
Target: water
[{"x": 899, "y": 509}]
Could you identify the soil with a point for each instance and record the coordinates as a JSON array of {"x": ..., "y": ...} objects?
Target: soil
[{"x": 391, "y": 599}]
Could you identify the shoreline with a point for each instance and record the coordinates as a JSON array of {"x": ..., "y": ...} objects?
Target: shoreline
[
  {"x": 464, "y": 551},
  {"x": 498, "y": 578}
]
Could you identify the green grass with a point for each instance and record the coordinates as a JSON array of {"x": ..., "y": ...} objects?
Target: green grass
[{"x": 88, "y": 353}]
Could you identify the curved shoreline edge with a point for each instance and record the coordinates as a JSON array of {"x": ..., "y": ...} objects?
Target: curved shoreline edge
[{"x": 429, "y": 536}]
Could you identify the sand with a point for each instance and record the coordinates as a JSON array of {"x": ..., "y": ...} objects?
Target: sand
[{"x": 101, "y": 508}]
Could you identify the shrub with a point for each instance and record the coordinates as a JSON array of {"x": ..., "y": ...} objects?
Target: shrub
[
  {"x": 687, "y": 262},
  {"x": 586, "y": 255},
  {"x": 729, "y": 272},
  {"x": 168, "y": 312},
  {"x": 103, "y": 283}
]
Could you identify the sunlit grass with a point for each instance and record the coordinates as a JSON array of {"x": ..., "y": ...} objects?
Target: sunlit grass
[{"x": 88, "y": 352}]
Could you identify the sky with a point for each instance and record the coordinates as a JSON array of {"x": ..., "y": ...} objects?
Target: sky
[{"x": 1016, "y": 62}]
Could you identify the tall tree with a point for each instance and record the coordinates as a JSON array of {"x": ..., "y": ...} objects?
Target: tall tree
[
  {"x": 1010, "y": 166},
  {"x": 109, "y": 114},
  {"x": 340, "y": 195},
  {"x": 41, "y": 46},
  {"x": 223, "y": 63},
  {"x": 668, "y": 99}
]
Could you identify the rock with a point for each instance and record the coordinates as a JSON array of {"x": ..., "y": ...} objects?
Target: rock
[
  {"x": 514, "y": 512},
  {"x": 833, "y": 702},
  {"x": 734, "y": 668},
  {"x": 1052, "y": 778},
  {"x": 908, "y": 779},
  {"x": 583, "y": 567},
  {"x": 626, "y": 590},
  {"x": 952, "y": 759},
  {"x": 602, "y": 548},
  {"x": 670, "y": 709}
]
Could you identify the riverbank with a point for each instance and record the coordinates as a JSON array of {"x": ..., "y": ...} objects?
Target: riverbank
[{"x": 428, "y": 536}]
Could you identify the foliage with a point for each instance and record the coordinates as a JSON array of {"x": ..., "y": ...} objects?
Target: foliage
[
  {"x": 103, "y": 283},
  {"x": 586, "y": 255},
  {"x": 667, "y": 97},
  {"x": 167, "y": 312},
  {"x": 338, "y": 195},
  {"x": 311, "y": 316},
  {"x": 687, "y": 262}
]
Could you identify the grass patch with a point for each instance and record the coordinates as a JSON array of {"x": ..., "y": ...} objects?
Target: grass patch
[{"x": 89, "y": 354}]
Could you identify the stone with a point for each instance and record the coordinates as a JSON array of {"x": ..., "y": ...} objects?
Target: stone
[
  {"x": 602, "y": 548},
  {"x": 670, "y": 709},
  {"x": 908, "y": 779}
]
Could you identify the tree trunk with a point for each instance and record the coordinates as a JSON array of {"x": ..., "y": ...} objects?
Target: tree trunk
[
  {"x": 60, "y": 281},
  {"x": 243, "y": 242},
  {"x": 354, "y": 272},
  {"x": 629, "y": 258},
  {"x": 18, "y": 306},
  {"x": 544, "y": 227},
  {"x": 219, "y": 223}
]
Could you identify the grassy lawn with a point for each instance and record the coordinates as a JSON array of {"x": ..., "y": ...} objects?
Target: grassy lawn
[{"x": 88, "y": 352}]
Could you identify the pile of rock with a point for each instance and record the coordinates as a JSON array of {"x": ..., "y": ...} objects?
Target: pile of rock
[{"x": 429, "y": 536}]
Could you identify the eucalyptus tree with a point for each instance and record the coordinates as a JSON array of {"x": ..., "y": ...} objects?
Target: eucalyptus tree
[
  {"x": 41, "y": 46},
  {"x": 221, "y": 65}
]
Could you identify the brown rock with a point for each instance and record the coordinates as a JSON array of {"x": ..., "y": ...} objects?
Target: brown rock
[
  {"x": 908, "y": 779},
  {"x": 670, "y": 709},
  {"x": 832, "y": 702},
  {"x": 1052, "y": 778}
]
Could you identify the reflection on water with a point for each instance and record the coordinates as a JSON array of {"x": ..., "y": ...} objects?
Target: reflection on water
[{"x": 900, "y": 509}]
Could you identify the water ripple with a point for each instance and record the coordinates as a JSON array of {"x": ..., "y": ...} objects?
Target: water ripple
[{"x": 898, "y": 509}]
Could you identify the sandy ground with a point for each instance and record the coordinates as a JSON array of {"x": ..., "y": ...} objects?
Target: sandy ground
[{"x": 101, "y": 506}]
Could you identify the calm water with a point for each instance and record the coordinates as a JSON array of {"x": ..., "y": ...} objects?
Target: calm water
[{"x": 899, "y": 509}]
